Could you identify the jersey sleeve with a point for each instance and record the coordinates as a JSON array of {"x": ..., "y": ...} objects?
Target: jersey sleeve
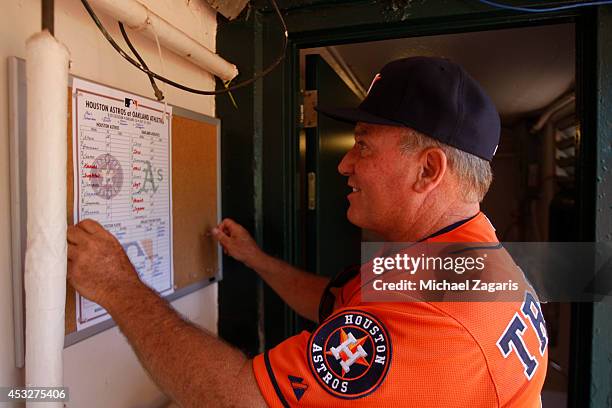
[
  {"x": 375, "y": 355},
  {"x": 282, "y": 373},
  {"x": 346, "y": 358}
]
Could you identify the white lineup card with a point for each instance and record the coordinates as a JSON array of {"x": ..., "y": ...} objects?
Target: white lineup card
[{"x": 122, "y": 179}]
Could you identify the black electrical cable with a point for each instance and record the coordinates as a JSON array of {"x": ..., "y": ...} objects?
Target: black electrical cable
[
  {"x": 158, "y": 93},
  {"x": 155, "y": 75},
  {"x": 546, "y": 9}
]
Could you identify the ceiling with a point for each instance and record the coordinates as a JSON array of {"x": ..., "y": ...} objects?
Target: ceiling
[{"x": 522, "y": 69}]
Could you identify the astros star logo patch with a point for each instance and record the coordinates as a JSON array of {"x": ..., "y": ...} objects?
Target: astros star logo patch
[{"x": 350, "y": 354}]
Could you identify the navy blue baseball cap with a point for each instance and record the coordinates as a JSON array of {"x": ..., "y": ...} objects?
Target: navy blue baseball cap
[{"x": 433, "y": 96}]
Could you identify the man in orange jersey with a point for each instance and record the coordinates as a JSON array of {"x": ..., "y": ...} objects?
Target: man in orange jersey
[{"x": 419, "y": 168}]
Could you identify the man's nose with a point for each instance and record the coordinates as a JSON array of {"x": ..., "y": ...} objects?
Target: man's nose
[{"x": 346, "y": 164}]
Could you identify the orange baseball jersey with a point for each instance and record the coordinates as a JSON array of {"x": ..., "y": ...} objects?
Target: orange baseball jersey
[{"x": 417, "y": 354}]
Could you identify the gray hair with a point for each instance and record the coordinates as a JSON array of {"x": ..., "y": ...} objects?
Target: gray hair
[{"x": 473, "y": 173}]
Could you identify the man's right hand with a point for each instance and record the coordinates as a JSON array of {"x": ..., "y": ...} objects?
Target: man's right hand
[
  {"x": 237, "y": 242},
  {"x": 301, "y": 290}
]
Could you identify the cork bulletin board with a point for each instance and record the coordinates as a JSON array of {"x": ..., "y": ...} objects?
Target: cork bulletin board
[{"x": 195, "y": 209}]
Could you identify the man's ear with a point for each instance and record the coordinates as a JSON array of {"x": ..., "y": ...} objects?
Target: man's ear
[{"x": 432, "y": 167}]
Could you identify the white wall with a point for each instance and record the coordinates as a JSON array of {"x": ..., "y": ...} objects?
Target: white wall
[{"x": 101, "y": 371}]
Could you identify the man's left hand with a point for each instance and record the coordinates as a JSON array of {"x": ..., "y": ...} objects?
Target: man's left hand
[{"x": 98, "y": 267}]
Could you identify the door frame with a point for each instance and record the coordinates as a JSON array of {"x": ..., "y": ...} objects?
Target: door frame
[
  {"x": 582, "y": 315},
  {"x": 264, "y": 134}
]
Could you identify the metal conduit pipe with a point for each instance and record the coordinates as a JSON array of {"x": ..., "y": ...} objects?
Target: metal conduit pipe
[
  {"x": 138, "y": 17},
  {"x": 554, "y": 107},
  {"x": 45, "y": 259},
  {"x": 48, "y": 16}
]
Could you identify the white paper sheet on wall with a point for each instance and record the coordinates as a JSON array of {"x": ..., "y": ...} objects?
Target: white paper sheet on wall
[{"x": 122, "y": 167}]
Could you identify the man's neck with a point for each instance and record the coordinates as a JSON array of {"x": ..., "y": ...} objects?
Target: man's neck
[{"x": 429, "y": 221}]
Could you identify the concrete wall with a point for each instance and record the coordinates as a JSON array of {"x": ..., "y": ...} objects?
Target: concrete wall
[{"x": 101, "y": 371}]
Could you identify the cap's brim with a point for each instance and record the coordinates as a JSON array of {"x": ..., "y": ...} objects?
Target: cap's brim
[{"x": 354, "y": 115}]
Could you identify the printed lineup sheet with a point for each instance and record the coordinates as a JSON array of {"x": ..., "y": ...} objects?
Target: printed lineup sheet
[{"x": 122, "y": 179}]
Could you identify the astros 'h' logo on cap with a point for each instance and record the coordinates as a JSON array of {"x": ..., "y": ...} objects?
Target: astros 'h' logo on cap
[{"x": 350, "y": 354}]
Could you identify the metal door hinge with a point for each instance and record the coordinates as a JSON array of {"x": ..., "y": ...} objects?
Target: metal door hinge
[
  {"x": 309, "y": 113},
  {"x": 312, "y": 191}
]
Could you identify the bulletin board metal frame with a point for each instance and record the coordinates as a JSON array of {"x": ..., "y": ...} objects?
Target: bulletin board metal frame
[{"x": 18, "y": 197}]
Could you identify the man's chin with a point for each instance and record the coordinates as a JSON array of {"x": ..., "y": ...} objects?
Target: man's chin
[{"x": 353, "y": 218}]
